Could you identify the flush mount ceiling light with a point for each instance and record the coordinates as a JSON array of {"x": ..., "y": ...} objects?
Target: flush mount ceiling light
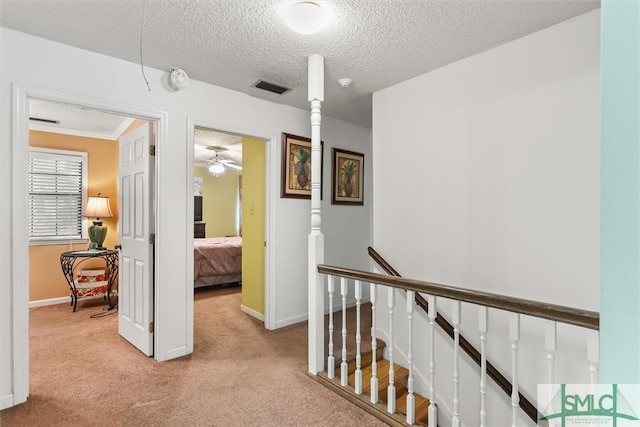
[{"x": 305, "y": 17}]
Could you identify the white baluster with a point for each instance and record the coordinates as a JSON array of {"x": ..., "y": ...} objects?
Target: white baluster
[
  {"x": 344, "y": 372},
  {"x": 373, "y": 291},
  {"x": 593, "y": 354},
  {"x": 331, "y": 360},
  {"x": 455, "y": 315},
  {"x": 411, "y": 399},
  {"x": 483, "y": 326},
  {"x": 358, "y": 388},
  {"x": 391, "y": 389},
  {"x": 433, "y": 408},
  {"x": 551, "y": 344},
  {"x": 514, "y": 335}
]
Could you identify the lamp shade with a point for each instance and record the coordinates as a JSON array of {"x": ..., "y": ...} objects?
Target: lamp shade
[{"x": 98, "y": 207}]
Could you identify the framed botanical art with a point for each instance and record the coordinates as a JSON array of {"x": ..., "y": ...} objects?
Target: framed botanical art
[
  {"x": 347, "y": 178},
  {"x": 296, "y": 167}
]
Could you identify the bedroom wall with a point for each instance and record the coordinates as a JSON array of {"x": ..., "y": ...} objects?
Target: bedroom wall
[
  {"x": 253, "y": 224},
  {"x": 219, "y": 202},
  {"x": 46, "y": 280},
  {"x": 494, "y": 185}
]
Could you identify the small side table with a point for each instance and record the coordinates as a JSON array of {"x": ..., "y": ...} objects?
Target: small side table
[{"x": 69, "y": 261}]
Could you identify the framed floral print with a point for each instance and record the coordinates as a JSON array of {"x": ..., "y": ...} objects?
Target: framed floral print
[
  {"x": 296, "y": 167},
  {"x": 347, "y": 178}
]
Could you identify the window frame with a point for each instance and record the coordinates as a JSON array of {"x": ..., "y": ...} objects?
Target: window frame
[{"x": 59, "y": 240}]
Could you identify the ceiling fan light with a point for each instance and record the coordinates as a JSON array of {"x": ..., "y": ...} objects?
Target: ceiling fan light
[
  {"x": 216, "y": 168},
  {"x": 305, "y": 17}
]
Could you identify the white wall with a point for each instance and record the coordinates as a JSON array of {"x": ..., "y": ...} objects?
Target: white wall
[
  {"x": 37, "y": 62},
  {"x": 486, "y": 176}
]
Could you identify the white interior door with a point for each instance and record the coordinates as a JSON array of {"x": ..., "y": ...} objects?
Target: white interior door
[{"x": 135, "y": 274}]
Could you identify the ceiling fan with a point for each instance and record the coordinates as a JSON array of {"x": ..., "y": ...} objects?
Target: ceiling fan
[{"x": 218, "y": 164}]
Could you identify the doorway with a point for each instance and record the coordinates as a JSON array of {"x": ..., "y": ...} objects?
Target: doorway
[
  {"x": 20, "y": 246},
  {"x": 229, "y": 210},
  {"x": 76, "y": 155},
  {"x": 57, "y": 129}
]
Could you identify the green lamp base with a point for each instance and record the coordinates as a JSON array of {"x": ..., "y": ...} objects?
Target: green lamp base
[{"x": 97, "y": 234}]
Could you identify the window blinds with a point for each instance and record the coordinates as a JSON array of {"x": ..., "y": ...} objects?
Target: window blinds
[{"x": 55, "y": 195}]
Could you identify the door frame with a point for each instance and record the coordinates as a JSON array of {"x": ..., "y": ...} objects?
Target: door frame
[
  {"x": 269, "y": 259},
  {"x": 22, "y": 93}
]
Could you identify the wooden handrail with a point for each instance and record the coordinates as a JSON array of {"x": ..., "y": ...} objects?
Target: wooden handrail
[
  {"x": 559, "y": 313},
  {"x": 584, "y": 318}
]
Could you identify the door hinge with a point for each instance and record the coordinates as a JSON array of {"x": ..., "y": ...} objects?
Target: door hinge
[
  {"x": 152, "y": 150},
  {"x": 152, "y": 238},
  {"x": 150, "y": 327}
]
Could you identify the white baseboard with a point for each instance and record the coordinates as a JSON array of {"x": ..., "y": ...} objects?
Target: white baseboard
[
  {"x": 6, "y": 401},
  {"x": 51, "y": 301},
  {"x": 252, "y": 313},
  {"x": 304, "y": 317}
]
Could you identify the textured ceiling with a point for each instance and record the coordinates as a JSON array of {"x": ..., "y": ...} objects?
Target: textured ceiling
[
  {"x": 73, "y": 120},
  {"x": 234, "y": 43},
  {"x": 79, "y": 121}
]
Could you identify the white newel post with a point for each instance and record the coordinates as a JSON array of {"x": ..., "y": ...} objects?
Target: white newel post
[{"x": 316, "y": 239}]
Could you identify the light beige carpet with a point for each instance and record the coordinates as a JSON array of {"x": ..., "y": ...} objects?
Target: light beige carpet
[{"x": 84, "y": 374}]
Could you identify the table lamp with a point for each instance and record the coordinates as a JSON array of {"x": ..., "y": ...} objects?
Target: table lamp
[{"x": 97, "y": 207}]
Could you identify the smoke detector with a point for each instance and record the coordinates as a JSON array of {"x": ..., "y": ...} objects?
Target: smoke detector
[
  {"x": 345, "y": 82},
  {"x": 179, "y": 78}
]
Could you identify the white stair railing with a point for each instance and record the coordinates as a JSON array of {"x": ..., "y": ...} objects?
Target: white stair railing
[
  {"x": 391, "y": 388},
  {"x": 483, "y": 326},
  {"x": 455, "y": 320},
  {"x": 551, "y": 344},
  {"x": 593, "y": 355},
  {"x": 331, "y": 361},
  {"x": 433, "y": 409},
  {"x": 484, "y": 301},
  {"x": 344, "y": 373},
  {"x": 514, "y": 335},
  {"x": 358, "y": 378},
  {"x": 373, "y": 297},
  {"x": 411, "y": 400}
]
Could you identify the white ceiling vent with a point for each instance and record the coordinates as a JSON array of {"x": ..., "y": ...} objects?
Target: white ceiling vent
[{"x": 271, "y": 87}]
